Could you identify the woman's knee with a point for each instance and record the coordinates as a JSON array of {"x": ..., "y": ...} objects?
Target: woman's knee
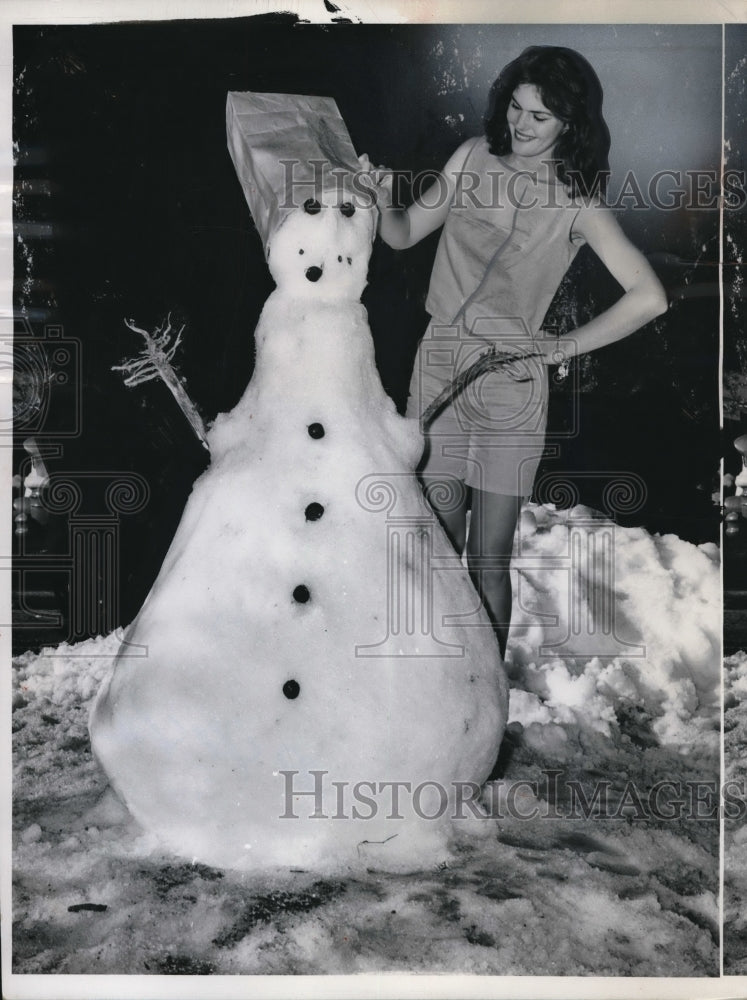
[{"x": 493, "y": 524}]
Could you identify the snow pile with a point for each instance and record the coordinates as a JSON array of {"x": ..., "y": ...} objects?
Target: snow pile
[
  {"x": 735, "y": 678},
  {"x": 65, "y": 675},
  {"x": 639, "y": 631},
  {"x": 735, "y": 814},
  {"x": 549, "y": 888}
]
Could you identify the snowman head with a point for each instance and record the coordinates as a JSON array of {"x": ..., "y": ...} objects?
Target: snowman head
[{"x": 321, "y": 250}]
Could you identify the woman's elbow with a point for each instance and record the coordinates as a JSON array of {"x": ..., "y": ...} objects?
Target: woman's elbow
[
  {"x": 654, "y": 301},
  {"x": 394, "y": 229},
  {"x": 659, "y": 301},
  {"x": 396, "y": 241}
]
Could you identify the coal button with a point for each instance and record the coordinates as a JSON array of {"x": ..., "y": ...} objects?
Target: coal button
[{"x": 291, "y": 689}]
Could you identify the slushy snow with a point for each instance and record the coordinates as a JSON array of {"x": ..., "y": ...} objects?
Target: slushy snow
[
  {"x": 637, "y": 627},
  {"x": 550, "y": 888},
  {"x": 735, "y": 813},
  {"x": 298, "y": 625}
]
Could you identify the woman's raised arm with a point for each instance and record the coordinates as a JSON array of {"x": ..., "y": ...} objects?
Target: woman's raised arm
[{"x": 402, "y": 228}]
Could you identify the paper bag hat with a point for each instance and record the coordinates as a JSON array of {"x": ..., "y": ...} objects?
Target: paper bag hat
[{"x": 287, "y": 148}]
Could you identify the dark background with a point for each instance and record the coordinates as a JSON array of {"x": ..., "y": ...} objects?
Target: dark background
[
  {"x": 734, "y": 339},
  {"x": 127, "y": 205}
]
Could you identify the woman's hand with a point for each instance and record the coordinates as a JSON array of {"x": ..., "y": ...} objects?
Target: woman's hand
[
  {"x": 379, "y": 180},
  {"x": 544, "y": 351},
  {"x": 553, "y": 350}
]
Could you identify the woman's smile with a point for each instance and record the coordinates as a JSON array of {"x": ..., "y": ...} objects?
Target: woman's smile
[{"x": 534, "y": 128}]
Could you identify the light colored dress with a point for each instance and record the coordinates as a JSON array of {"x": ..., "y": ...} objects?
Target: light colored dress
[{"x": 506, "y": 244}]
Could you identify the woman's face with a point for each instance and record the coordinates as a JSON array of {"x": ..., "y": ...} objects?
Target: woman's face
[{"x": 534, "y": 129}]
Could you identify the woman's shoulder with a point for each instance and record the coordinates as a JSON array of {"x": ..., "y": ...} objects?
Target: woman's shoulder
[
  {"x": 588, "y": 205},
  {"x": 473, "y": 155},
  {"x": 464, "y": 153},
  {"x": 594, "y": 218},
  {"x": 582, "y": 203}
]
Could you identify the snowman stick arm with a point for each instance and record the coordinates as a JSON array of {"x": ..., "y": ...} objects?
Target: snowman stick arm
[
  {"x": 188, "y": 409},
  {"x": 155, "y": 362},
  {"x": 491, "y": 360}
]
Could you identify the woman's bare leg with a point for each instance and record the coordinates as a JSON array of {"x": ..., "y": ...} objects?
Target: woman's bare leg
[
  {"x": 449, "y": 499},
  {"x": 491, "y": 537}
]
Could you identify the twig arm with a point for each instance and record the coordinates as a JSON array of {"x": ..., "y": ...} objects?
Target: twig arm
[{"x": 154, "y": 361}]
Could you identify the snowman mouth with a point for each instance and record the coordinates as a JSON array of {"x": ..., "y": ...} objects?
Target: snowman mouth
[{"x": 314, "y": 273}]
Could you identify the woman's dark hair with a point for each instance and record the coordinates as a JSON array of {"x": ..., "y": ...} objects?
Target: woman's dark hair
[{"x": 569, "y": 87}]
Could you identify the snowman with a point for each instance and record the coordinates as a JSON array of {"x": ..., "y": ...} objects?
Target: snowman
[{"x": 321, "y": 688}]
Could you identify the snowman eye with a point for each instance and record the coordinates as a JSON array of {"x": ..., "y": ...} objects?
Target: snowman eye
[
  {"x": 300, "y": 251},
  {"x": 312, "y": 206},
  {"x": 340, "y": 259},
  {"x": 347, "y": 209}
]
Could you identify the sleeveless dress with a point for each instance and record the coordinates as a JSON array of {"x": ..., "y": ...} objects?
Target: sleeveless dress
[{"x": 505, "y": 246}]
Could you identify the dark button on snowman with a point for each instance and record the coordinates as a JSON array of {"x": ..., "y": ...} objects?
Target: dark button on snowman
[{"x": 282, "y": 698}]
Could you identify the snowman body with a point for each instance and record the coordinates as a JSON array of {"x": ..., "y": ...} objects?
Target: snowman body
[{"x": 320, "y": 687}]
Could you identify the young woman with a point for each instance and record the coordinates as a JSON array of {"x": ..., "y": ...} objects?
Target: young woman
[{"x": 515, "y": 205}]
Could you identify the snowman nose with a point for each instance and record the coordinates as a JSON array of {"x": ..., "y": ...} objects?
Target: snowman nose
[{"x": 313, "y": 273}]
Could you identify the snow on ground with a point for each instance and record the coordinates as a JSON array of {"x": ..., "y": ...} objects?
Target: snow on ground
[
  {"x": 600, "y": 856},
  {"x": 735, "y": 828}
]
